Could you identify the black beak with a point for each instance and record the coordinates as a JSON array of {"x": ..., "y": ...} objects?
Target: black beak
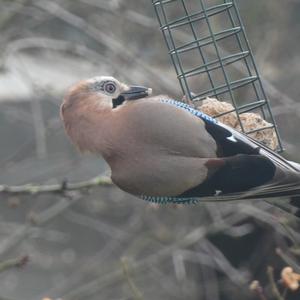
[
  {"x": 133, "y": 93},
  {"x": 136, "y": 92}
]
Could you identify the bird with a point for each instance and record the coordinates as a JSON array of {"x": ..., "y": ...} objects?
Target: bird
[{"x": 165, "y": 151}]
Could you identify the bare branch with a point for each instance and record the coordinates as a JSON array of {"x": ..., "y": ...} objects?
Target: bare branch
[
  {"x": 275, "y": 291},
  {"x": 137, "y": 295},
  {"x": 55, "y": 188},
  {"x": 14, "y": 263},
  {"x": 103, "y": 38}
]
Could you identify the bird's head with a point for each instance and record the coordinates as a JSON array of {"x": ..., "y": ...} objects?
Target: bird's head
[
  {"x": 104, "y": 92},
  {"x": 88, "y": 108}
]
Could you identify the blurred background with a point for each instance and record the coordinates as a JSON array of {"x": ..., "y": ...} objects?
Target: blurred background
[{"x": 102, "y": 243}]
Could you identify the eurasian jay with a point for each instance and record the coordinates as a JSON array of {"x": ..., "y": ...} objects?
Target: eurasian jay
[{"x": 165, "y": 151}]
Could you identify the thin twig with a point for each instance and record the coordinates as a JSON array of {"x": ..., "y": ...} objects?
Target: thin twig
[
  {"x": 288, "y": 259},
  {"x": 7, "y": 17},
  {"x": 53, "y": 44},
  {"x": 89, "y": 266},
  {"x": 256, "y": 287},
  {"x": 189, "y": 239},
  {"x": 56, "y": 188},
  {"x": 137, "y": 295},
  {"x": 14, "y": 263},
  {"x": 97, "y": 225},
  {"x": 111, "y": 43},
  {"x": 274, "y": 288},
  {"x": 39, "y": 128}
]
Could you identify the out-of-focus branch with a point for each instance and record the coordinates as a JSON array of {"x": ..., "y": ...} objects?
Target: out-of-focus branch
[
  {"x": 14, "y": 10},
  {"x": 39, "y": 128},
  {"x": 189, "y": 239},
  {"x": 129, "y": 14},
  {"x": 56, "y": 188},
  {"x": 275, "y": 291},
  {"x": 288, "y": 259},
  {"x": 56, "y": 45},
  {"x": 41, "y": 218},
  {"x": 14, "y": 263},
  {"x": 53, "y": 44},
  {"x": 103, "y": 38},
  {"x": 256, "y": 287},
  {"x": 137, "y": 295}
]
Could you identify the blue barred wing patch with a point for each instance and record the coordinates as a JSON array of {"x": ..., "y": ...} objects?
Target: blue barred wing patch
[
  {"x": 191, "y": 110},
  {"x": 170, "y": 200}
]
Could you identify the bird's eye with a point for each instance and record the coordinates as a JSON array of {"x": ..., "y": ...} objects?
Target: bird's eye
[{"x": 110, "y": 88}]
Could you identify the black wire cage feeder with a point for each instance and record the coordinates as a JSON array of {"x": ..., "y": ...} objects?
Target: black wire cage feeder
[{"x": 209, "y": 49}]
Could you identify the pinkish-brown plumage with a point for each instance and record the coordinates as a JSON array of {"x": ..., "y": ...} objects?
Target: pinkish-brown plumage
[
  {"x": 84, "y": 117},
  {"x": 157, "y": 148},
  {"x": 137, "y": 140}
]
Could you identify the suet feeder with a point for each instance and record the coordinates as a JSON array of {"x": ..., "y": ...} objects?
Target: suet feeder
[{"x": 209, "y": 49}]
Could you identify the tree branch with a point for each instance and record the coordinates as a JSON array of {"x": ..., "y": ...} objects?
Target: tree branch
[
  {"x": 137, "y": 295},
  {"x": 14, "y": 263},
  {"x": 55, "y": 188},
  {"x": 274, "y": 288}
]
